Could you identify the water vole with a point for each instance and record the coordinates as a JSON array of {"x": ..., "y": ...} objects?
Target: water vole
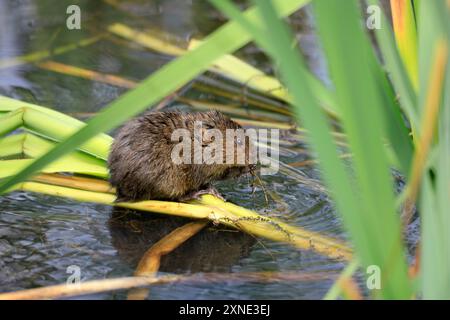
[{"x": 141, "y": 161}]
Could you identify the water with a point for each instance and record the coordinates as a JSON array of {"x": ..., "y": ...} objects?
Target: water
[{"x": 41, "y": 236}]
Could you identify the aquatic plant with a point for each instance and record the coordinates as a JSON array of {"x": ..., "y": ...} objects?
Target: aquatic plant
[
  {"x": 391, "y": 107},
  {"x": 377, "y": 135}
]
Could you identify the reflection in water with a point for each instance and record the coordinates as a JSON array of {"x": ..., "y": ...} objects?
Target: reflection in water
[
  {"x": 9, "y": 47},
  {"x": 211, "y": 250},
  {"x": 41, "y": 236}
]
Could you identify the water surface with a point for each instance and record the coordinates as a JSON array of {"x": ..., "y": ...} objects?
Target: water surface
[{"x": 41, "y": 236}]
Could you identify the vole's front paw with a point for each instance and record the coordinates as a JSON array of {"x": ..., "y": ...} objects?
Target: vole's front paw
[{"x": 196, "y": 195}]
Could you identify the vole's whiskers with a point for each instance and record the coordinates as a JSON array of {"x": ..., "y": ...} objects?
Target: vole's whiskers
[{"x": 258, "y": 180}]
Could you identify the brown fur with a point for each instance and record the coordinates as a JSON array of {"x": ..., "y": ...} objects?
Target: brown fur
[{"x": 140, "y": 161}]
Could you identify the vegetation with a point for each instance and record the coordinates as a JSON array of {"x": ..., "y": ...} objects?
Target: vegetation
[{"x": 392, "y": 107}]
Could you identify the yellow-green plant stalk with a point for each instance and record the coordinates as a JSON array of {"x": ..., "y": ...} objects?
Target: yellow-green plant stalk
[
  {"x": 88, "y": 287},
  {"x": 335, "y": 291},
  {"x": 228, "y": 66},
  {"x": 10, "y": 122},
  {"x": 259, "y": 103},
  {"x": 305, "y": 236},
  {"x": 9, "y": 168},
  {"x": 126, "y": 83},
  {"x": 51, "y": 124},
  {"x": 31, "y": 146},
  {"x": 264, "y": 124},
  {"x": 146, "y": 39},
  {"x": 129, "y": 84},
  {"x": 214, "y": 210},
  {"x": 87, "y": 74},
  {"x": 428, "y": 126},
  {"x": 151, "y": 260},
  {"x": 39, "y": 55},
  {"x": 76, "y": 182},
  {"x": 234, "y": 110},
  {"x": 153, "y": 89},
  {"x": 404, "y": 22}
]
